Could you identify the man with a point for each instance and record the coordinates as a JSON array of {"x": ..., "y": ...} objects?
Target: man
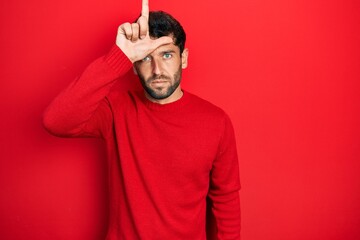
[{"x": 168, "y": 150}]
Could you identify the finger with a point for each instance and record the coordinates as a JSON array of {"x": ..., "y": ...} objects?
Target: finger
[
  {"x": 145, "y": 9},
  {"x": 144, "y": 28},
  {"x": 126, "y": 30},
  {"x": 135, "y": 32}
]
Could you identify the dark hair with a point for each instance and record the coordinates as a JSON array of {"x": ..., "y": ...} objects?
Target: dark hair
[{"x": 163, "y": 24}]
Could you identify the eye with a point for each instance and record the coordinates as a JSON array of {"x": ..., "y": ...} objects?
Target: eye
[
  {"x": 146, "y": 59},
  {"x": 167, "y": 55}
]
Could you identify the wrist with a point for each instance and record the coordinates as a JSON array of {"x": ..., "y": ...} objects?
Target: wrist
[{"x": 118, "y": 60}]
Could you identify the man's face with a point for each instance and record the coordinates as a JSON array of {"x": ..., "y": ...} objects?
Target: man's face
[{"x": 160, "y": 73}]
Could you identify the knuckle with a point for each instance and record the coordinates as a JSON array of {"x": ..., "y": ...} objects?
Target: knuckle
[{"x": 123, "y": 27}]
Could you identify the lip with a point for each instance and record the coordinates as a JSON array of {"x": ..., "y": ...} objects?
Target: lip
[{"x": 158, "y": 82}]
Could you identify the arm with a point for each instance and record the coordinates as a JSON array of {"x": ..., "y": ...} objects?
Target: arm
[
  {"x": 225, "y": 186},
  {"x": 72, "y": 113}
]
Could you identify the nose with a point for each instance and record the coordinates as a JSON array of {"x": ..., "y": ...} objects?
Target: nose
[{"x": 156, "y": 67}]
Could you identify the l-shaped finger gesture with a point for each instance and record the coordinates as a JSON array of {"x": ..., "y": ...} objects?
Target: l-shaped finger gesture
[{"x": 134, "y": 39}]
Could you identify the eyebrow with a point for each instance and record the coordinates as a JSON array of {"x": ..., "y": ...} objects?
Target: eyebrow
[{"x": 166, "y": 51}]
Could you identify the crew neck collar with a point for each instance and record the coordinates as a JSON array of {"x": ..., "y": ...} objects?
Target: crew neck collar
[{"x": 167, "y": 106}]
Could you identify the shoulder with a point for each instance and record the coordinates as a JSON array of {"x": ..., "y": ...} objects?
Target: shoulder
[
  {"x": 203, "y": 106},
  {"x": 209, "y": 117},
  {"x": 208, "y": 114}
]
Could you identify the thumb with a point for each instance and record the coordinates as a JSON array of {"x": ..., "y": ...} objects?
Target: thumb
[{"x": 161, "y": 41}]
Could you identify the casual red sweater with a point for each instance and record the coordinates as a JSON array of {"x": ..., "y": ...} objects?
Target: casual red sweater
[{"x": 164, "y": 160}]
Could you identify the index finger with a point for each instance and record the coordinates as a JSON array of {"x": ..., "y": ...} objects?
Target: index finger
[{"x": 145, "y": 9}]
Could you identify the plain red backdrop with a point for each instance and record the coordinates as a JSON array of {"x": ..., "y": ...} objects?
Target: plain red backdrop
[{"x": 287, "y": 72}]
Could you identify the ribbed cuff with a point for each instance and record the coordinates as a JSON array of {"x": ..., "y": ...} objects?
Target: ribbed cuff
[{"x": 117, "y": 60}]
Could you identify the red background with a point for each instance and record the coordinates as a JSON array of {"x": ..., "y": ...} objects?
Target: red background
[{"x": 287, "y": 72}]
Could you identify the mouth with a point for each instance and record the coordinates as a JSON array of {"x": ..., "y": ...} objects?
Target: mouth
[
  {"x": 158, "y": 83},
  {"x": 159, "y": 80}
]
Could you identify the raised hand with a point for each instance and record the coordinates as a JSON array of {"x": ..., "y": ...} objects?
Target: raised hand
[{"x": 134, "y": 39}]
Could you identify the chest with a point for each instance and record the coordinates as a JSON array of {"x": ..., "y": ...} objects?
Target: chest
[{"x": 172, "y": 144}]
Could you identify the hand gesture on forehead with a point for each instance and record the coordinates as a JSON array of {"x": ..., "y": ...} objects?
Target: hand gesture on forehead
[{"x": 134, "y": 39}]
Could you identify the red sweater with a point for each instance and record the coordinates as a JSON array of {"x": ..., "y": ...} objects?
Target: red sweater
[{"x": 164, "y": 160}]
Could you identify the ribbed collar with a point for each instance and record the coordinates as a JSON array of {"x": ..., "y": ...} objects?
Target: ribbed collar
[{"x": 173, "y": 106}]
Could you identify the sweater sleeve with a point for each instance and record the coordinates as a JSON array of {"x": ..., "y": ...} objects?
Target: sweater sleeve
[
  {"x": 82, "y": 108},
  {"x": 225, "y": 186}
]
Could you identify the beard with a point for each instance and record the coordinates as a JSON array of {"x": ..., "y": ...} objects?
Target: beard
[{"x": 161, "y": 92}]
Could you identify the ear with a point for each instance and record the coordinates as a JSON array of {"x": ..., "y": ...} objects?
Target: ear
[{"x": 184, "y": 58}]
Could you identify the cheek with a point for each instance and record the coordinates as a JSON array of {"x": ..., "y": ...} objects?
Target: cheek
[
  {"x": 143, "y": 71},
  {"x": 172, "y": 68}
]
